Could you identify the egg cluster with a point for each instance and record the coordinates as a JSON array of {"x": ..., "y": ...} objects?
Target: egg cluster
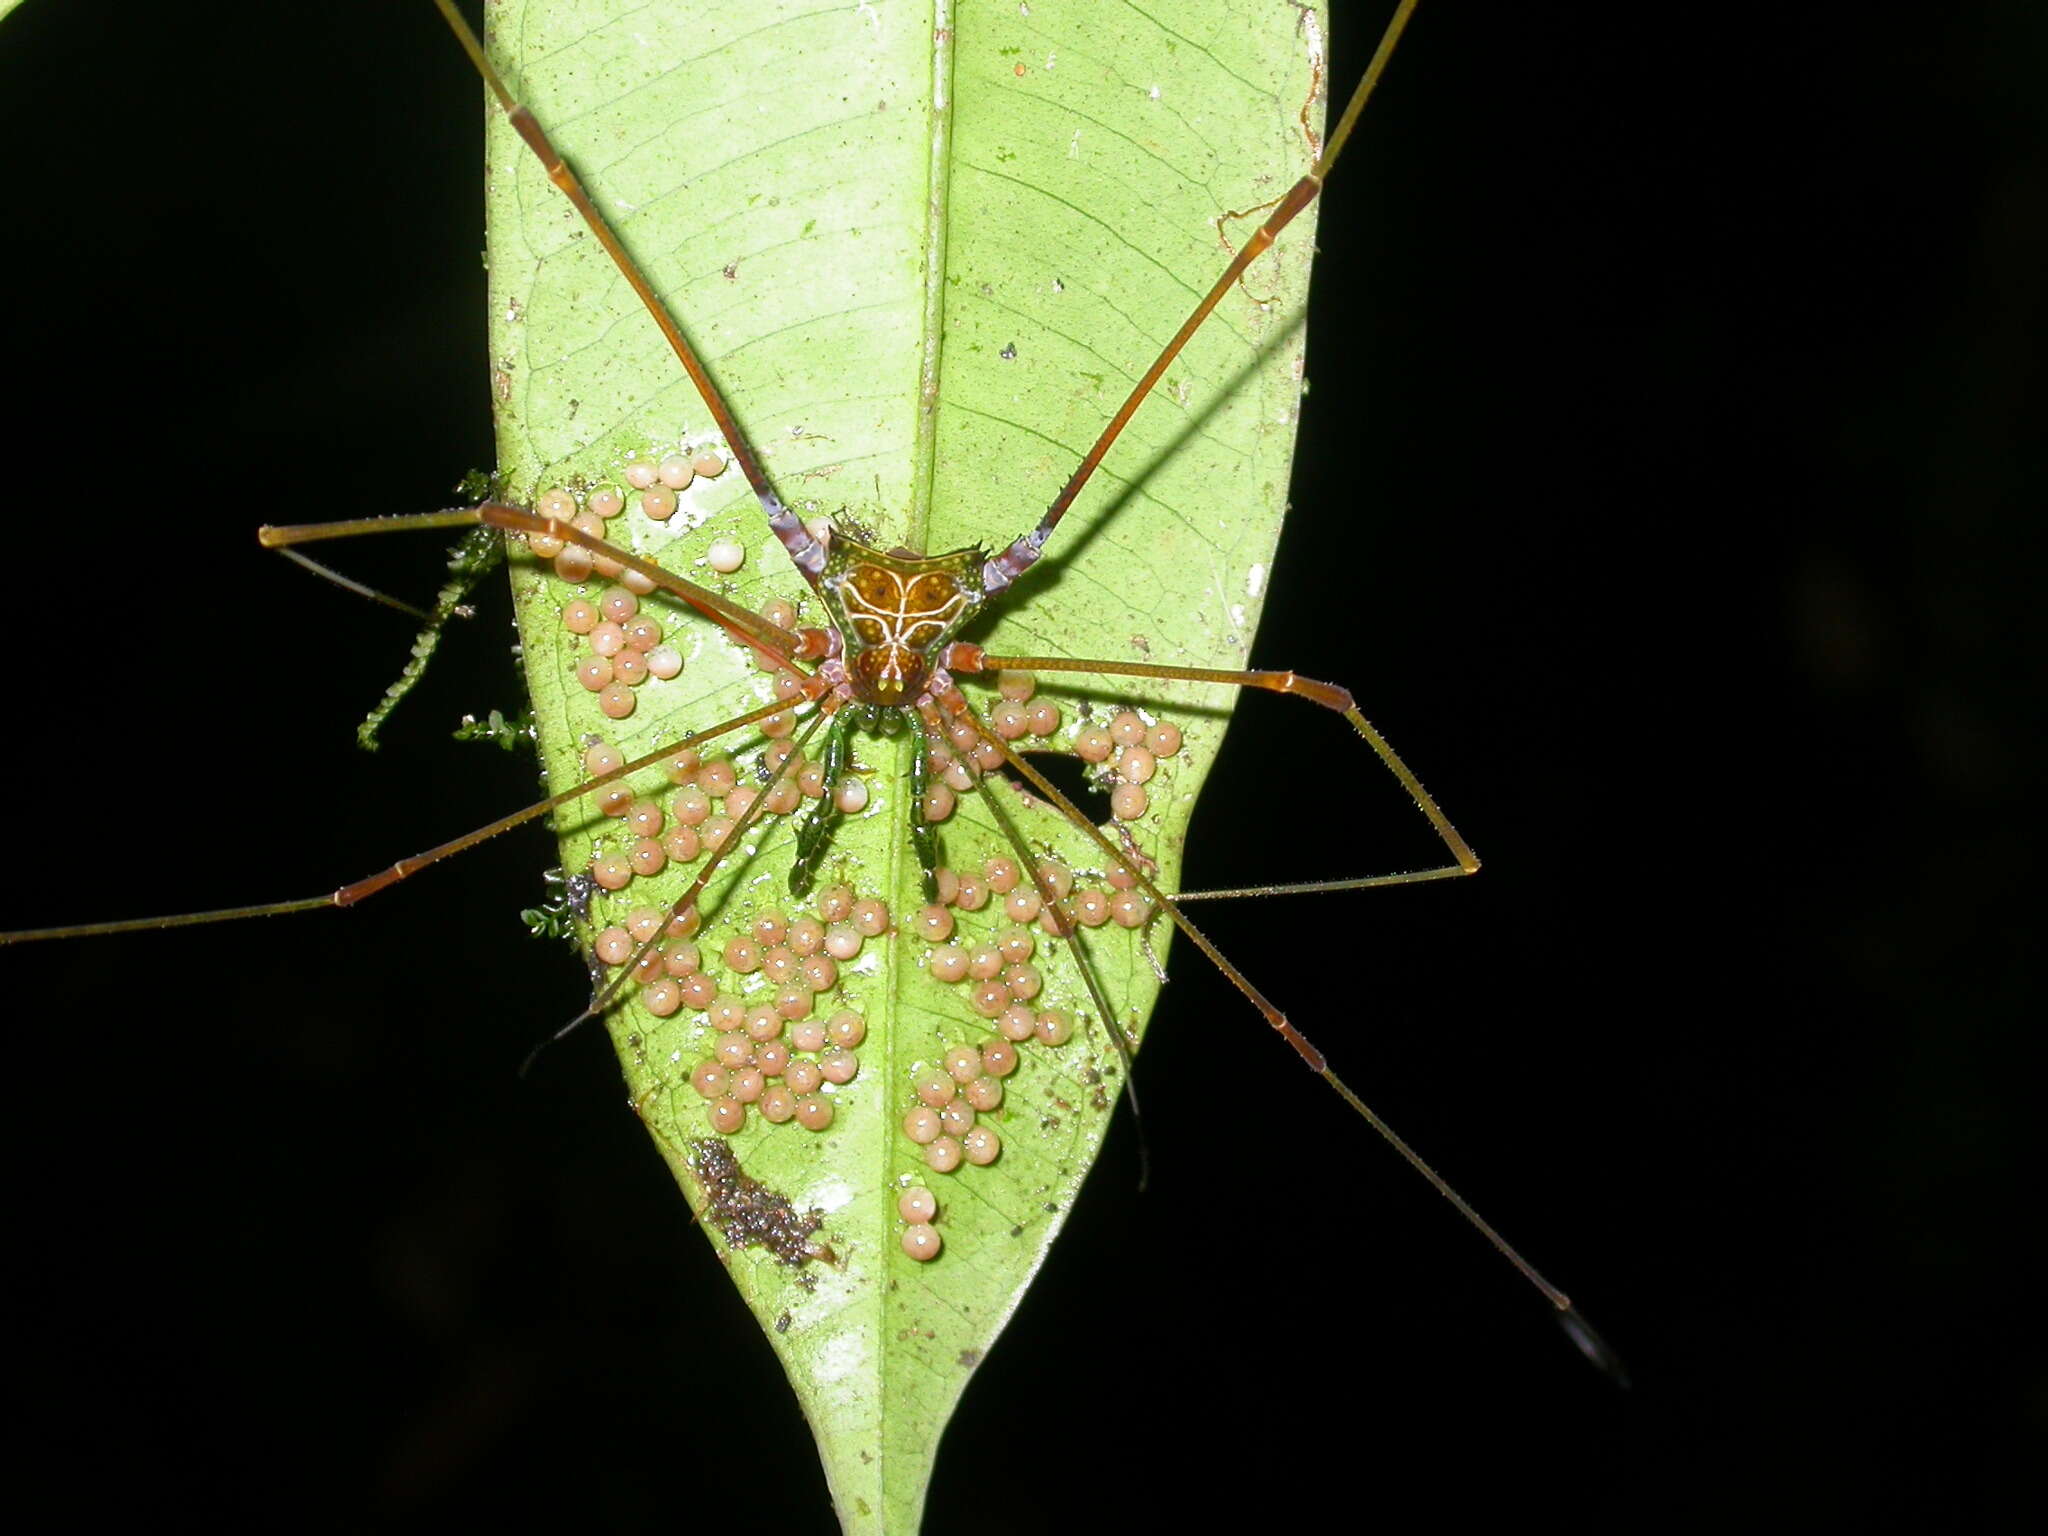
[
  {"x": 625, "y": 647},
  {"x": 776, "y": 1048},
  {"x": 779, "y": 1042},
  {"x": 1001, "y": 984},
  {"x": 711, "y": 793},
  {"x": 1126, "y": 750}
]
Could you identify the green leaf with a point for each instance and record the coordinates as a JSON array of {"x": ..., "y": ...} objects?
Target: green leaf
[{"x": 925, "y": 255}]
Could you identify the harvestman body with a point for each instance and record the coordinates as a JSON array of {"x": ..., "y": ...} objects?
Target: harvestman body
[{"x": 889, "y": 657}]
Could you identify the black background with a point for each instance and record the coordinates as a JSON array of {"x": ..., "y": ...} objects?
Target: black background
[{"x": 1670, "y": 491}]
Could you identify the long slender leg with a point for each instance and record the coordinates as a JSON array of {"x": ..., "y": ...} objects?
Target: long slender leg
[
  {"x": 1004, "y": 568},
  {"x": 805, "y": 550},
  {"x": 359, "y": 890},
  {"x": 747, "y": 628},
  {"x": 603, "y": 997},
  {"x": 348, "y": 583},
  {"x": 1581, "y": 1332},
  {"x": 970, "y": 659},
  {"x": 352, "y": 893},
  {"x": 956, "y": 703}
]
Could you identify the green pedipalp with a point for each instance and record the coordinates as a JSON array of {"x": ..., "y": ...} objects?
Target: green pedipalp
[
  {"x": 814, "y": 833},
  {"x": 924, "y": 835}
]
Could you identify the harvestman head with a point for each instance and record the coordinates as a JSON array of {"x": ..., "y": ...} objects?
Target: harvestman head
[{"x": 887, "y": 661}]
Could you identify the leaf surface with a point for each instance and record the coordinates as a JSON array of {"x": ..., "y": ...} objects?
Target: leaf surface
[{"x": 925, "y": 253}]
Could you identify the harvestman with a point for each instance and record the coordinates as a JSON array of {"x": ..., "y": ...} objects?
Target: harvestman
[{"x": 888, "y": 658}]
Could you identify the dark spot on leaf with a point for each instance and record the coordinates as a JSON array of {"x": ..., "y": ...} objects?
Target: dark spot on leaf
[
  {"x": 970, "y": 1358},
  {"x": 748, "y": 1212}
]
